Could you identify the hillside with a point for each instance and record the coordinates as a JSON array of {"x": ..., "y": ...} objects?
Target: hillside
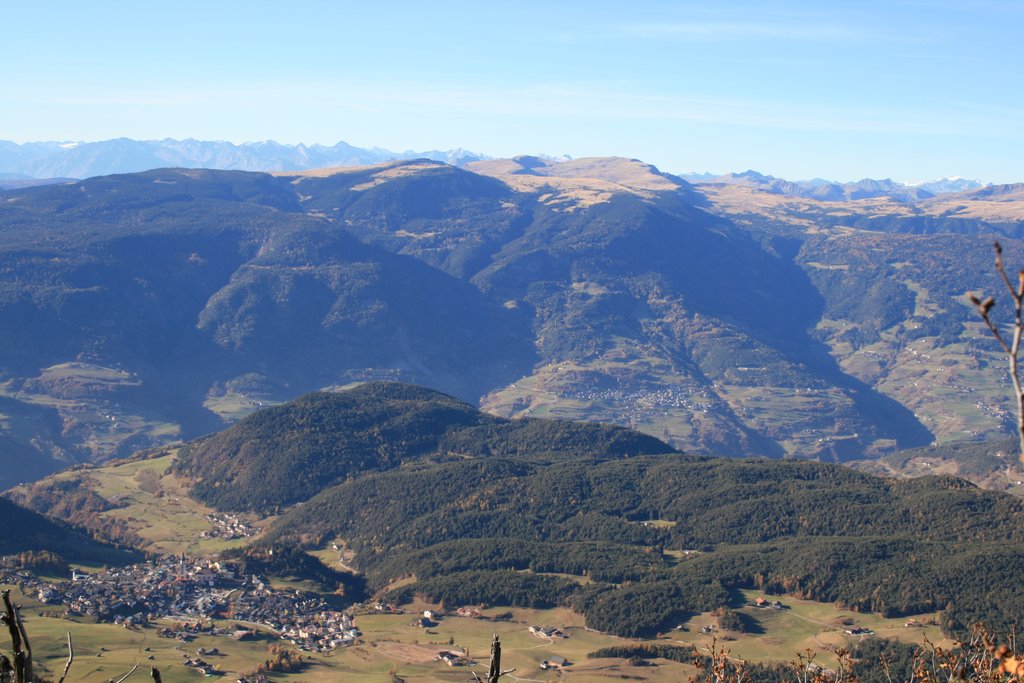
[
  {"x": 428, "y": 497},
  {"x": 145, "y": 308},
  {"x": 288, "y": 454},
  {"x": 25, "y": 531},
  {"x": 992, "y": 464},
  {"x": 650, "y": 538}
]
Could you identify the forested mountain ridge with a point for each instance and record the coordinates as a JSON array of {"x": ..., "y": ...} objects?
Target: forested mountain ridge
[
  {"x": 659, "y": 536},
  {"x": 142, "y": 308},
  {"x": 289, "y": 453}
]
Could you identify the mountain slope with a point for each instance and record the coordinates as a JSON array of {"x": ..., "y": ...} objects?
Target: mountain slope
[
  {"x": 672, "y": 526},
  {"x": 28, "y": 531},
  {"x": 464, "y": 507},
  {"x": 289, "y": 453},
  {"x": 153, "y": 296},
  {"x": 144, "y": 308}
]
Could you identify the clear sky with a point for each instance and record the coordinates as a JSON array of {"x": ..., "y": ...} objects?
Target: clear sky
[{"x": 842, "y": 89}]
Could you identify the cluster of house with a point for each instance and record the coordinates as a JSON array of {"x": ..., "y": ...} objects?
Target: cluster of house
[
  {"x": 428, "y": 619},
  {"x": 763, "y": 603},
  {"x": 453, "y": 658},
  {"x": 227, "y": 527},
  {"x": 186, "y": 631},
  {"x": 254, "y": 678},
  {"x": 859, "y": 631},
  {"x": 201, "y": 667},
  {"x": 547, "y": 632},
  {"x": 171, "y": 586},
  {"x": 387, "y": 608},
  {"x": 23, "y": 579},
  {"x": 554, "y": 663},
  {"x": 195, "y": 589},
  {"x": 640, "y": 404},
  {"x": 328, "y": 631}
]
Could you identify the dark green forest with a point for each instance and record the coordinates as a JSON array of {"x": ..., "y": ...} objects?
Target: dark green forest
[
  {"x": 287, "y": 454},
  {"x": 479, "y": 509}
]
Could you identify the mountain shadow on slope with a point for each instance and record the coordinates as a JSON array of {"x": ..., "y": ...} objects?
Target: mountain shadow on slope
[
  {"x": 28, "y": 442},
  {"x": 316, "y": 303},
  {"x": 25, "y": 531},
  {"x": 289, "y": 453}
]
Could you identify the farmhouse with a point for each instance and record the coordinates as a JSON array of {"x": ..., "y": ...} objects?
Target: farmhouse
[
  {"x": 546, "y": 632},
  {"x": 554, "y": 663}
]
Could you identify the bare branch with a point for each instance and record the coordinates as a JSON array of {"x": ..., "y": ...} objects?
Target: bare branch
[
  {"x": 155, "y": 673},
  {"x": 122, "y": 679},
  {"x": 71, "y": 658},
  {"x": 12, "y": 619},
  {"x": 25, "y": 644},
  {"x": 12, "y": 622},
  {"x": 1012, "y": 347},
  {"x": 6, "y": 668},
  {"x": 495, "y": 671}
]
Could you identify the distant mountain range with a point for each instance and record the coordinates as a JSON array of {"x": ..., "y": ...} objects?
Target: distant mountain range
[
  {"x": 827, "y": 190},
  {"x": 23, "y": 164},
  {"x": 43, "y": 160}
]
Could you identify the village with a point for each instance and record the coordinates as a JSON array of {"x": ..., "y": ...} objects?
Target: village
[
  {"x": 228, "y": 527},
  {"x": 192, "y": 593}
]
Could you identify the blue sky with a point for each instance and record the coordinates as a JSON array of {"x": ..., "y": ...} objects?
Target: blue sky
[{"x": 912, "y": 89}]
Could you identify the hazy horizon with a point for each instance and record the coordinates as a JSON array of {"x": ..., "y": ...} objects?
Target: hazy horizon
[
  {"x": 70, "y": 144},
  {"x": 909, "y": 90}
]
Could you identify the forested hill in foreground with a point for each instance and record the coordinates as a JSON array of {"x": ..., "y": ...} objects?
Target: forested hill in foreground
[
  {"x": 288, "y": 454},
  {"x": 140, "y": 309},
  {"x": 663, "y": 536},
  {"x": 466, "y": 508}
]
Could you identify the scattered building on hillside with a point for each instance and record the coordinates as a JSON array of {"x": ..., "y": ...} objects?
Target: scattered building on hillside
[
  {"x": 546, "y": 632},
  {"x": 554, "y": 663}
]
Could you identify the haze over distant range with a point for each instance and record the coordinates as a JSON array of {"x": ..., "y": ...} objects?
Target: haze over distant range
[
  {"x": 25, "y": 163},
  {"x": 52, "y": 159},
  {"x": 907, "y": 89}
]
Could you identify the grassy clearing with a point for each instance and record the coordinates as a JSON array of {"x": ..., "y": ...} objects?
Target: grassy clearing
[
  {"x": 233, "y": 406},
  {"x": 156, "y": 506},
  {"x": 520, "y": 649},
  {"x": 393, "y": 643},
  {"x": 804, "y": 625}
]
